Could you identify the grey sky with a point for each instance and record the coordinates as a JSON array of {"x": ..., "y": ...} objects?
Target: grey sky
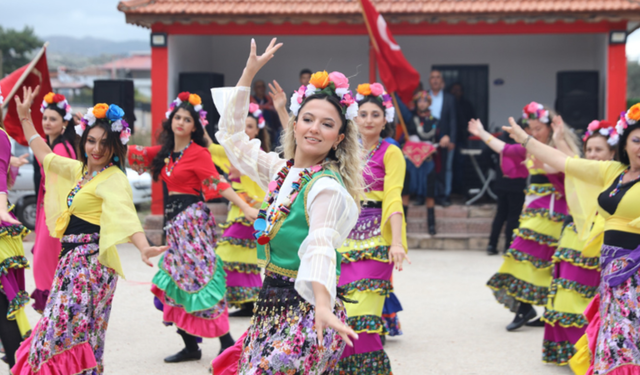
[
  {"x": 101, "y": 19},
  {"x": 79, "y": 18}
]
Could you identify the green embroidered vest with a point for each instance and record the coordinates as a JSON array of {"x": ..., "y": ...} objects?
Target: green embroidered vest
[{"x": 280, "y": 255}]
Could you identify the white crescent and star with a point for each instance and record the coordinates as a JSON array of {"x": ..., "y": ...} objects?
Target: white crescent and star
[{"x": 384, "y": 34}]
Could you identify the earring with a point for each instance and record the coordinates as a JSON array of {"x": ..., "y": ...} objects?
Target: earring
[
  {"x": 335, "y": 147},
  {"x": 64, "y": 128},
  {"x": 116, "y": 159},
  {"x": 383, "y": 126}
]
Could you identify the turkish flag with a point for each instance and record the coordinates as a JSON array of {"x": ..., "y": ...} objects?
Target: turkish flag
[
  {"x": 37, "y": 75},
  {"x": 395, "y": 71}
]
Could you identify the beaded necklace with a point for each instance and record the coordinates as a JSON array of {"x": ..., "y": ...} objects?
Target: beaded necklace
[
  {"x": 268, "y": 216},
  {"x": 617, "y": 189},
  {"x": 373, "y": 152},
  {"x": 79, "y": 185},
  {"x": 168, "y": 159}
]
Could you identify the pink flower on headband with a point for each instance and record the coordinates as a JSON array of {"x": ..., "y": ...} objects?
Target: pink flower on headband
[
  {"x": 301, "y": 91},
  {"x": 339, "y": 80},
  {"x": 376, "y": 89},
  {"x": 347, "y": 99},
  {"x": 253, "y": 107},
  {"x": 532, "y": 107},
  {"x": 594, "y": 125}
]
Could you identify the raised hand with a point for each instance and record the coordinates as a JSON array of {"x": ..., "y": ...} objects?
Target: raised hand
[
  {"x": 515, "y": 131},
  {"x": 24, "y": 105},
  {"x": 278, "y": 96},
  {"x": 18, "y": 162},
  {"x": 255, "y": 62},
  {"x": 475, "y": 127},
  {"x": 557, "y": 124}
]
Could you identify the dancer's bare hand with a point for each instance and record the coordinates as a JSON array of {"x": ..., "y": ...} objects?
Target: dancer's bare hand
[
  {"x": 24, "y": 105},
  {"x": 475, "y": 127},
  {"x": 7, "y": 218},
  {"x": 19, "y": 161},
  {"x": 255, "y": 62},
  {"x": 326, "y": 319},
  {"x": 151, "y": 252},
  {"x": 277, "y": 95},
  {"x": 397, "y": 256},
  {"x": 515, "y": 131}
]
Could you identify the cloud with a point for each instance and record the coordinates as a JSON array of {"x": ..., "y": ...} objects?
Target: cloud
[{"x": 75, "y": 18}]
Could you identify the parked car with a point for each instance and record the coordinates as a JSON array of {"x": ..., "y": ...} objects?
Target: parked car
[{"x": 23, "y": 193}]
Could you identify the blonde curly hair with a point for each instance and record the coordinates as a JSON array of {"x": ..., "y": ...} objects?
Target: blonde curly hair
[
  {"x": 570, "y": 136},
  {"x": 346, "y": 160}
]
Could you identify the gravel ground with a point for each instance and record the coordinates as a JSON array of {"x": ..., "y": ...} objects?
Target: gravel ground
[{"x": 451, "y": 323}]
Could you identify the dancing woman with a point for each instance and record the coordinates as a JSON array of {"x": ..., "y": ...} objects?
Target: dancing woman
[
  {"x": 190, "y": 286},
  {"x": 525, "y": 276},
  {"x": 614, "y": 315},
  {"x": 378, "y": 240},
  {"x": 58, "y": 126},
  {"x": 13, "y": 298},
  {"x": 89, "y": 207},
  {"x": 237, "y": 246},
  {"x": 576, "y": 274},
  {"x": 308, "y": 212}
]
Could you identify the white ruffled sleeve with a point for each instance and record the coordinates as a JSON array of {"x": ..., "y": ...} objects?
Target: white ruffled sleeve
[
  {"x": 332, "y": 215},
  {"x": 233, "y": 105}
]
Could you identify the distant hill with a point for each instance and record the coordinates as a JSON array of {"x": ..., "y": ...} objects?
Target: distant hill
[{"x": 90, "y": 47}]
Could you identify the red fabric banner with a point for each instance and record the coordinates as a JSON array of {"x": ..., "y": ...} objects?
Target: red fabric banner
[
  {"x": 395, "y": 71},
  {"x": 39, "y": 75}
]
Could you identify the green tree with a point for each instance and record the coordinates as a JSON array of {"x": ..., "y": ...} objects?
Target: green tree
[{"x": 16, "y": 47}]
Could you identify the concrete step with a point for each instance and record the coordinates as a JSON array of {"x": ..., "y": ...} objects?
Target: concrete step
[
  {"x": 454, "y": 211},
  {"x": 450, "y": 242},
  {"x": 451, "y": 225}
]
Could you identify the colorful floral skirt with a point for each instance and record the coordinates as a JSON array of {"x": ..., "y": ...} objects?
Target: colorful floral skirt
[
  {"x": 526, "y": 272},
  {"x": 613, "y": 333},
  {"x": 390, "y": 318},
  {"x": 237, "y": 249},
  {"x": 69, "y": 339},
  {"x": 190, "y": 284},
  {"x": 282, "y": 338},
  {"x": 12, "y": 265},
  {"x": 365, "y": 277},
  {"x": 575, "y": 282}
]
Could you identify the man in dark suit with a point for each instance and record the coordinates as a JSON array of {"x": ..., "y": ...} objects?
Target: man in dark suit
[{"x": 443, "y": 108}]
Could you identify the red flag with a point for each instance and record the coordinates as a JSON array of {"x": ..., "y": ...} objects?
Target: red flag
[
  {"x": 38, "y": 74},
  {"x": 395, "y": 71}
]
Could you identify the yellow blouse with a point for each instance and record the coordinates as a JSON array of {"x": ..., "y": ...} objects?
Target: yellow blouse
[
  {"x": 595, "y": 177},
  {"x": 106, "y": 201},
  {"x": 246, "y": 184},
  {"x": 391, "y": 197}
]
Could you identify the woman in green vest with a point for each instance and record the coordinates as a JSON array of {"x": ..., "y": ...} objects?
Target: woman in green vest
[{"x": 310, "y": 208}]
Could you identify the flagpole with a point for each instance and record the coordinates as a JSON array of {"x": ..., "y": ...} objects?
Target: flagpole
[
  {"x": 24, "y": 76},
  {"x": 375, "y": 46}
]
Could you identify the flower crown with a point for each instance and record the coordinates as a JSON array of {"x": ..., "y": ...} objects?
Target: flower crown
[
  {"x": 194, "y": 100},
  {"x": 111, "y": 113},
  {"x": 535, "y": 111},
  {"x": 628, "y": 118},
  {"x": 334, "y": 83},
  {"x": 59, "y": 101},
  {"x": 605, "y": 128},
  {"x": 377, "y": 91},
  {"x": 422, "y": 94},
  {"x": 254, "y": 110}
]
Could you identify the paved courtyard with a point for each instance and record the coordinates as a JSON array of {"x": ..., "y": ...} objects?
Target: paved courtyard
[{"x": 451, "y": 323}]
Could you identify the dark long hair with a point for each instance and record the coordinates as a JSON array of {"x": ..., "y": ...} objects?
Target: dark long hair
[
  {"x": 388, "y": 128},
  {"x": 263, "y": 135},
  {"x": 69, "y": 133},
  {"x": 113, "y": 144},
  {"x": 336, "y": 103},
  {"x": 166, "y": 138},
  {"x": 622, "y": 153}
]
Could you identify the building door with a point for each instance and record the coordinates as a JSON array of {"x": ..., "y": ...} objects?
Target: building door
[{"x": 475, "y": 82}]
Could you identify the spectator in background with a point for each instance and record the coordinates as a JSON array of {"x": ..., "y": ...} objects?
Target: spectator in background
[
  {"x": 411, "y": 105},
  {"x": 305, "y": 76},
  {"x": 443, "y": 109},
  {"x": 260, "y": 97},
  {"x": 510, "y": 192},
  {"x": 464, "y": 113}
]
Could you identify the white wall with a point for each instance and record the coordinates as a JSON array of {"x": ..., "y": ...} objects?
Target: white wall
[{"x": 527, "y": 63}]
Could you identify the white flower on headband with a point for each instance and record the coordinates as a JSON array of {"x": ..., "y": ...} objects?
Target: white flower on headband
[
  {"x": 198, "y": 107},
  {"x": 359, "y": 97},
  {"x": 295, "y": 106},
  {"x": 311, "y": 89},
  {"x": 390, "y": 114},
  {"x": 116, "y": 126},
  {"x": 613, "y": 140},
  {"x": 90, "y": 117},
  {"x": 620, "y": 126},
  {"x": 605, "y": 131},
  {"x": 352, "y": 111},
  {"x": 80, "y": 128}
]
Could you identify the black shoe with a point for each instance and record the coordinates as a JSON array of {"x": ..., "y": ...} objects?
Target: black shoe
[
  {"x": 383, "y": 339},
  {"x": 491, "y": 250},
  {"x": 446, "y": 202},
  {"x": 535, "y": 323},
  {"x": 245, "y": 311},
  {"x": 183, "y": 356},
  {"x": 521, "y": 320},
  {"x": 431, "y": 221}
]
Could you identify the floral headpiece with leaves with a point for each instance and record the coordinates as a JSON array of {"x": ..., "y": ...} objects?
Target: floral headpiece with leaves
[
  {"x": 604, "y": 128},
  {"x": 195, "y": 101},
  {"x": 59, "y": 101},
  {"x": 535, "y": 111},
  {"x": 334, "y": 83},
  {"x": 113, "y": 114},
  {"x": 628, "y": 118},
  {"x": 377, "y": 91},
  {"x": 254, "y": 110}
]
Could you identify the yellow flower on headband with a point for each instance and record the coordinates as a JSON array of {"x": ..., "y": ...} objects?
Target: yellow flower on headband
[
  {"x": 49, "y": 98},
  {"x": 194, "y": 99},
  {"x": 634, "y": 112},
  {"x": 320, "y": 80},
  {"x": 100, "y": 110},
  {"x": 364, "y": 89}
]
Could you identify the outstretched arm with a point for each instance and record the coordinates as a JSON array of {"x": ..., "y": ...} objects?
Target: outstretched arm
[
  {"x": 37, "y": 144},
  {"x": 554, "y": 158},
  {"x": 476, "y": 128},
  {"x": 255, "y": 62}
]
